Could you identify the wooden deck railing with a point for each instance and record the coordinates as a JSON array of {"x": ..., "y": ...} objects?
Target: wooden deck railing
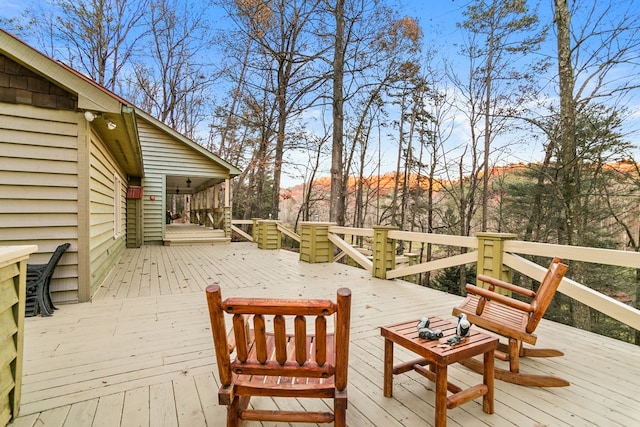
[{"x": 495, "y": 254}]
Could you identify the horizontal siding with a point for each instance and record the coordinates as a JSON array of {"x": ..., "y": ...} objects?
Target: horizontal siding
[
  {"x": 164, "y": 155},
  {"x": 104, "y": 248},
  {"x": 38, "y": 186}
]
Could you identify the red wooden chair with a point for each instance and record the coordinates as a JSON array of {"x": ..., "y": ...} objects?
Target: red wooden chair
[{"x": 278, "y": 364}]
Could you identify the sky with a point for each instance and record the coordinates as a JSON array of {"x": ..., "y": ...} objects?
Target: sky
[{"x": 438, "y": 20}]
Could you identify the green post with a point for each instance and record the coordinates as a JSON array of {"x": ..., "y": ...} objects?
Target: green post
[
  {"x": 491, "y": 256},
  {"x": 315, "y": 246},
  {"x": 413, "y": 260},
  {"x": 227, "y": 221},
  {"x": 384, "y": 251},
  {"x": 269, "y": 234},
  {"x": 255, "y": 233}
]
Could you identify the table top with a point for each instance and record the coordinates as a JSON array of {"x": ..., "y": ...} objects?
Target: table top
[{"x": 439, "y": 351}]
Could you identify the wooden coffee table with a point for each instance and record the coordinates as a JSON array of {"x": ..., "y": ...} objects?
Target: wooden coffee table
[{"x": 438, "y": 355}]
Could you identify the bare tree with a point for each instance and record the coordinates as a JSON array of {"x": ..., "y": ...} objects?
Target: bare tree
[
  {"x": 597, "y": 63},
  {"x": 337, "y": 203},
  {"x": 505, "y": 34},
  {"x": 96, "y": 37},
  {"x": 172, "y": 80}
]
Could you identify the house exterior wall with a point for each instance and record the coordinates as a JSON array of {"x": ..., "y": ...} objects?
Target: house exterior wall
[
  {"x": 39, "y": 187},
  {"x": 107, "y": 189},
  {"x": 164, "y": 155}
]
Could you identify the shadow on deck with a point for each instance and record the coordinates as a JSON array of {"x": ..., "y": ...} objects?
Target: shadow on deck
[{"x": 141, "y": 353}]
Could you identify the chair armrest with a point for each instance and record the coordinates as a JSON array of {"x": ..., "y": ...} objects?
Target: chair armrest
[
  {"x": 506, "y": 285},
  {"x": 502, "y": 299}
]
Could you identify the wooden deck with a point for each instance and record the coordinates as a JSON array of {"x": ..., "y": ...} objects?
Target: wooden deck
[{"x": 141, "y": 353}]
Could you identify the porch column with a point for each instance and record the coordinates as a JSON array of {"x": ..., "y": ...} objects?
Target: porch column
[
  {"x": 491, "y": 256},
  {"x": 227, "y": 208},
  {"x": 384, "y": 251},
  {"x": 315, "y": 246}
]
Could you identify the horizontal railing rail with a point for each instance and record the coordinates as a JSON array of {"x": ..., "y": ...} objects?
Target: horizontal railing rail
[{"x": 509, "y": 250}]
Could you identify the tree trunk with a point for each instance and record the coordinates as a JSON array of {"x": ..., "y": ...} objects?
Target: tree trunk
[
  {"x": 570, "y": 170},
  {"x": 337, "y": 206}
]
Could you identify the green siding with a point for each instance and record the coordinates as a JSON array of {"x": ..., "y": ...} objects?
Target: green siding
[
  {"x": 38, "y": 187},
  {"x": 164, "y": 155},
  {"x": 105, "y": 247}
]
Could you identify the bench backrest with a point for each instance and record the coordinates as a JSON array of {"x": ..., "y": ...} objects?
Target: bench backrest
[
  {"x": 546, "y": 291},
  {"x": 277, "y": 352}
]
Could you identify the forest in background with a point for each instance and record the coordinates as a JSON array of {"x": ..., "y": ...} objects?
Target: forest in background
[{"x": 336, "y": 88}]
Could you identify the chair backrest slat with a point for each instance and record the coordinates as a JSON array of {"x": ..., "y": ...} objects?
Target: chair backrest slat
[
  {"x": 280, "y": 332},
  {"x": 240, "y": 333},
  {"x": 260, "y": 337},
  {"x": 301, "y": 339},
  {"x": 320, "y": 342}
]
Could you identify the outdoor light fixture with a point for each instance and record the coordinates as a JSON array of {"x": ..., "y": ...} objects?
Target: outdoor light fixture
[
  {"x": 110, "y": 124},
  {"x": 188, "y": 182},
  {"x": 90, "y": 116}
]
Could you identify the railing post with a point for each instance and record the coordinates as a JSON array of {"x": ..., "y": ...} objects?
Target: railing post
[
  {"x": 490, "y": 256},
  {"x": 255, "y": 229},
  {"x": 413, "y": 260},
  {"x": 384, "y": 251},
  {"x": 269, "y": 235},
  {"x": 315, "y": 246}
]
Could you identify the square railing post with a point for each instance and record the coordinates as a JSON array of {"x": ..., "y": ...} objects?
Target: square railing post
[
  {"x": 491, "y": 256},
  {"x": 384, "y": 251},
  {"x": 315, "y": 246},
  {"x": 269, "y": 235}
]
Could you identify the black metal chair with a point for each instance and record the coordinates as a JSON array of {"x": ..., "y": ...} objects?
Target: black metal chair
[{"x": 38, "y": 299}]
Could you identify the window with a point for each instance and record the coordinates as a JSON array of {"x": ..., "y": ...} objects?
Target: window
[{"x": 117, "y": 206}]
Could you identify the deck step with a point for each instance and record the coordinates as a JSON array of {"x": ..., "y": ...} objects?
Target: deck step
[
  {"x": 197, "y": 241},
  {"x": 191, "y": 234}
]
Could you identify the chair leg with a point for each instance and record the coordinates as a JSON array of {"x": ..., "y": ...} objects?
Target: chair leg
[
  {"x": 340, "y": 409},
  {"x": 233, "y": 413},
  {"x": 42, "y": 305},
  {"x": 47, "y": 296},
  {"x": 514, "y": 356}
]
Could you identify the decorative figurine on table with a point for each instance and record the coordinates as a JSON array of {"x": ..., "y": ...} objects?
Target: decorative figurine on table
[
  {"x": 427, "y": 333},
  {"x": 462, "y": 330}
]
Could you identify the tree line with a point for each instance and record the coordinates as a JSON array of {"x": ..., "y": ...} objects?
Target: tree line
[{"x": 288, "y": 86}]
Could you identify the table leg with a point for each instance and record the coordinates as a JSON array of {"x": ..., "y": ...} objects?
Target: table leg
[
  {"x": 441, "y": 395},
  {"x": 488, "y": 379},
  {"x": 388, "y": 368}
]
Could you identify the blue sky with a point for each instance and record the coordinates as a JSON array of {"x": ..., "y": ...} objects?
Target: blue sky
[{"x": 438, "y": 20}]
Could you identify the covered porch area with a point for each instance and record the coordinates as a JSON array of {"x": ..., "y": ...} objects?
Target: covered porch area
[{"x": 141, "y": 352}]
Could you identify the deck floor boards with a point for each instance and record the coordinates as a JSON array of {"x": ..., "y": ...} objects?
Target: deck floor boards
[{"x": 141, "y": 352}]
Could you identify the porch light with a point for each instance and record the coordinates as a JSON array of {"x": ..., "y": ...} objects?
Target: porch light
[
  {"x": 188, "y": 182},
  {"x": 89, "y": 116},
  {"x": 110, "y": 124}
]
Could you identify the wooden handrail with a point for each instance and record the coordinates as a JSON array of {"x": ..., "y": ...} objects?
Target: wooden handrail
[{"x": 512, "y": 249}]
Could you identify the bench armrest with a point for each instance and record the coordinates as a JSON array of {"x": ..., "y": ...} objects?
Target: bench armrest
[
  {"x": 506, "y": 285},
  {"x": 494, "y": 296}
]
